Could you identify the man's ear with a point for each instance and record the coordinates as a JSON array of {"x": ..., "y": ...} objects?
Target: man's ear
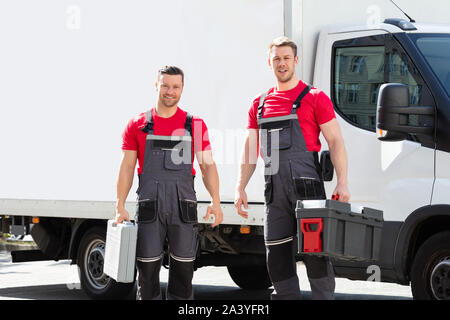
[
  {"x": 296, "y": 60},
  {"x": 157, "y": 85}
]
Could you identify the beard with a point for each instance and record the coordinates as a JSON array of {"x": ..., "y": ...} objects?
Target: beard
[
  {"x": 285, "y": 78},
  {"x": 169, "y": 103}
]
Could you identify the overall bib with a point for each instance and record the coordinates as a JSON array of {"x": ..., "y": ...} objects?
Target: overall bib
[
  {"x": 166, "y": 209},
  {"x": 291, "y": 174}
]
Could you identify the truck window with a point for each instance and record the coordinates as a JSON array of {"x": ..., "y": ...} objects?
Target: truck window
[
  {"x": 436, "y": 50},
  {"x": 361, "y": 66},
  {"x": 359, "y": 73}
]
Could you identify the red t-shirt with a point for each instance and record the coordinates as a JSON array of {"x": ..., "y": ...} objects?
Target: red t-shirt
[
  {"x": 133, "y": 138},
  {"x": 316, "y": 109}
]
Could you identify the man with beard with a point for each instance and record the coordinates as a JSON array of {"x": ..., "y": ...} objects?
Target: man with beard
[
  {"x": 163, "y": 142},
  {"x": 286, "y": 122}
]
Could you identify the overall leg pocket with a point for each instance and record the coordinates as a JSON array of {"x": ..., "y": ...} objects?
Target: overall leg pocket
[
  {"x": 187, "y": 204},
  {"x": 309, "y": 188},
  {"x": 146, "y": 211}
]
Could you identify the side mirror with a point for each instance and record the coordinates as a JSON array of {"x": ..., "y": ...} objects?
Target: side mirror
[{"x": 393, "y": 114}]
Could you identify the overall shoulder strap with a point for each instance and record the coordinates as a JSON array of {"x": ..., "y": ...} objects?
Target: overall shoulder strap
[
  {"x": 149, "y": 126},
  {"x": 261, "y": 105},
  {"x": 188, "y": 123},
  {"x": 297, "y": 102}
]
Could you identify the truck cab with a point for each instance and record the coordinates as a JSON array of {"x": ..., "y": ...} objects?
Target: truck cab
[{"x": 405, "y": 173}]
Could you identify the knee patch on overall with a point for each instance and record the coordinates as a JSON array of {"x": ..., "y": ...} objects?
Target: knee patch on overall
[
  {"x": 316, "y": 267},
  {"x": 281, "y": 261},
  {"x": 148, "y": 281},
  {"x": 180, "y": 278}
]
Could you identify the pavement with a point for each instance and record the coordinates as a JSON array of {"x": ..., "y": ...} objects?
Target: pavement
[{"x": 58, "y": 280}]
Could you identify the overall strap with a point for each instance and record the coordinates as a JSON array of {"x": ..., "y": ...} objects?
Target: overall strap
[
  {"x": 188, "y": 123},
  {"x": 149, "y": 126},
  {"x": 296, "y": 104},
  {"x": 261, "y": 105}
]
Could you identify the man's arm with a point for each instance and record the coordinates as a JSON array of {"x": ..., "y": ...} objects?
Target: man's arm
[
  {"x": 247, "y": 167},
  {"x": 124, "y": 183},
  {"x": 332, "y": 133},
  {"x": 211, "y": 180}
]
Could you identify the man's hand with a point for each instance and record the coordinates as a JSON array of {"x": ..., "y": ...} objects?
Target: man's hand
[
  {"x": 240, "y": 198},
  {"x": 122, "y": 215},
  {"x": 342, "y": 193},
  {"x": 216, "y": 210}
]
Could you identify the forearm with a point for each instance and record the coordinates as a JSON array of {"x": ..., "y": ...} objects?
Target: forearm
[
  {"x": 210, "y": 178},
  {"x": 249, "y": 159},
  {"x": 339, "y": 159},
  {"x": 245, "y": 173},
  {"x": 124, "y": 184}
]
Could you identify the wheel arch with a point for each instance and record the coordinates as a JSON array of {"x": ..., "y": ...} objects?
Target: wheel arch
[
  {"x": 79, "y": 228},
  {"x": 417, "y": 228}
]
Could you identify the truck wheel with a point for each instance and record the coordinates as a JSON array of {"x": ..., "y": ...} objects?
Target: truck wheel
[
  {"x": 430, "y": 272},
  {"x": 94, "y": 282},
  {"x": 250, "y": 278}
]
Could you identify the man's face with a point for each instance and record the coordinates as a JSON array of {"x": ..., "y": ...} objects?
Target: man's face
[
  {"x": 283, "y": 62},
  {"x": 169, "y": 88}
]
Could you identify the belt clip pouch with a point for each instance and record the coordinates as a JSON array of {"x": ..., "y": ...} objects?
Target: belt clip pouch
[{"x": 146, "y": 211}]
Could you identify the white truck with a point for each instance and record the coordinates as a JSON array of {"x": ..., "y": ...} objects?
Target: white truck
[{"x": 72, "y": 75}]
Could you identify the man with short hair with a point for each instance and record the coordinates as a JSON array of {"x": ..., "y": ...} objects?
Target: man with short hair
[
  {"x": 163, "y": 142},
  {"x": 286, "y": 122}
]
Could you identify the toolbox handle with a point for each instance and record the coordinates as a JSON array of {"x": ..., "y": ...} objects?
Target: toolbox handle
[
  {"x": 312, "y": 241},
  {"x": 306, "y": 225}
]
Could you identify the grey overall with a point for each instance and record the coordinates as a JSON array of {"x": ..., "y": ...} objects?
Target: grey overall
[
  {"x": 291, "y": 174},
  {"x": 166, "y": 209}
]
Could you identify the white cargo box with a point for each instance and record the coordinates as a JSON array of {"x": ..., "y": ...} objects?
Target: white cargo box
[{"x": 120, "y": 251}]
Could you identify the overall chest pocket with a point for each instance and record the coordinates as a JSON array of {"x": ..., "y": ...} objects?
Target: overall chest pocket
[
  {"x": 277, "y": 135},
  {"x": 178, "y": 156},
  {"x": 173, "y": 159},
  {"x": 187, "y": 203}
]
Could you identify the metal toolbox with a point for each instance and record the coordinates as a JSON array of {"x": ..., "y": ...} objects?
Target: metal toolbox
[
  {"x": 120, "y": 251},
  {"x": 338, "y": 230}
]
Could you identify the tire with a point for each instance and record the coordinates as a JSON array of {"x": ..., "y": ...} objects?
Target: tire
[
  {"x": 94, "y": 282},
  {"x": 430, "y": 272},
  {"x": 250, "y": 278}
]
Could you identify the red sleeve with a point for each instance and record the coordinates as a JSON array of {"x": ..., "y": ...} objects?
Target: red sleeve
[
  {"x": 201, "y": 136},
  {"x": 129, "y": 137},
  {"x": 324, "y": 110},
  {"x": 252, "y": 115}
]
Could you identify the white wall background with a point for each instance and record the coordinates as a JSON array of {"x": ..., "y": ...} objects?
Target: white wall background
[{"x": 72, "y": 73}]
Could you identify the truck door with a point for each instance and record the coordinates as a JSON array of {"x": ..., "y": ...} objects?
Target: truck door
[{"x": 396, "y": 177}]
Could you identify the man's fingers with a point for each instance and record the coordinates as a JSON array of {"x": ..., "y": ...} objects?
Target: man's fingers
[{"x": 238, "y": 205}]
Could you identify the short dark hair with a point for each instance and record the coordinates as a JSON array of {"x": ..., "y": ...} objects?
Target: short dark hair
[
  {"x": 283, "y": 42},
  {"x": 171, "y": 70}
]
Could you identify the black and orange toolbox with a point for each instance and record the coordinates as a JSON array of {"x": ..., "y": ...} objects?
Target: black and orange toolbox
[{"x": 338, "y": 230}]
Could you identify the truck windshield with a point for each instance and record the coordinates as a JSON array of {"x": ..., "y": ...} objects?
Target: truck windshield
[{"x": 436, "y": 50}]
